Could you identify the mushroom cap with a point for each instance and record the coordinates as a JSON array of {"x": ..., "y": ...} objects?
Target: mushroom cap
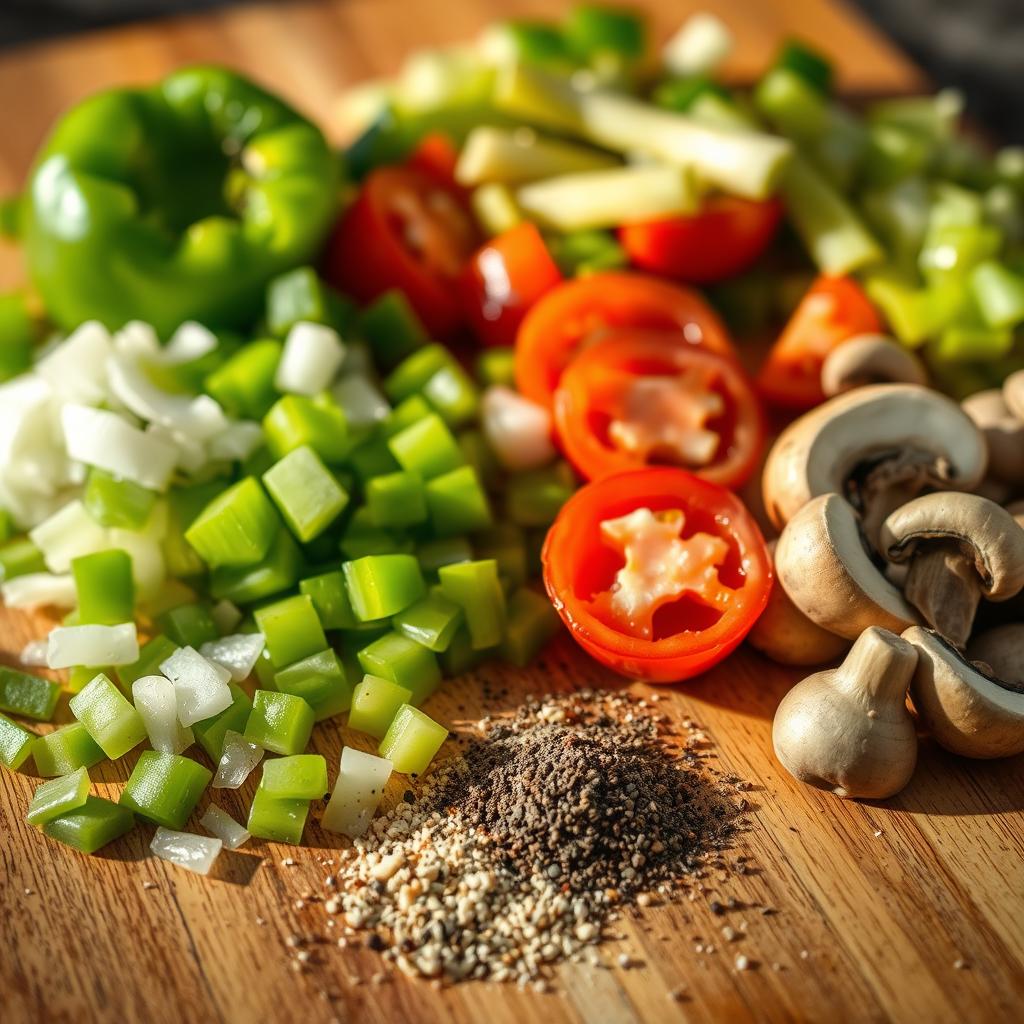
[
  {"x": 1013, "y": 393},
  {"x": 822, "y": 561},
  {"x": 1002, "y": 649},
  {"x": 870, "y": 359},
  {"x": 1004, "y": 434},
  {"x": 819, "y": 452},
  {"x": 984, "y": 531},
  {"x": 784, "y": 634},
  {"x": 965, "y": 711},
  {"x": 1016, "y": 509}
]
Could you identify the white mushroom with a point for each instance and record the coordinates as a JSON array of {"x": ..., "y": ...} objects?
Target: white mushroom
[
  {"x": 784, "y": 634},
  {"x": 967, "y": 710},
  {"x": 999, "y": 652},
  {"x": 960, "y": 547},
  {"x": 878, "y": 447},
  {"x": 1004, "y": 434},
  {"x": 823, "y": 563},
  {"x": 848, "y": 729},
  {"x": 1016, "y": 509},
  {"x": 1013, "y": 393},
  {"x": 870, "y": 359}
]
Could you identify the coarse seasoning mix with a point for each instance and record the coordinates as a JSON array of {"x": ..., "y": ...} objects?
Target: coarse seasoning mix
[{"x": 518, "y": 851}]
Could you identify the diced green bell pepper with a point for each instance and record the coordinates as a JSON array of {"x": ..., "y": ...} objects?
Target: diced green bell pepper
[
  {"x": 245, "y": 584},
  {"x": 431, "y": 621},
  {"x": 432, "y": 554},
  {"x": 151, "y": 657},
  {"x": 535, "y": 498},
  {"x": 279, "y": 820},
  {"x": 306, "y": 493},
  {"x": 999, "y": 293},
  {"x": 298, "y": 777},
  {"x": 244, "y": 384},
  {"x": 189, "y": 625},
  {"x": 301, "y": 296},
  {"x": 319, "y": 422},
  {"x": 586, "y": 252},
  {"x": 380, "y": 586},
  {"x": 532, "y": 622},
  {"x": 292, "y": 629},
  {"x": 597, "y": 34},
  {"x": 108, "y": 716},
  {"x": 236, "y": 528},
  {"x": 806, "y": 62},
  {"x": 115, "y": 502},
  {"x": 457, "y": 502},
  {"x": 18, "y": 332},
  {"x": 210, "y": 733},
  {"x": 103, "y": 581},
  {"x": 409, "y": 377},
  {"x": 396, "y": 499},
  {"x": 497, "y": 367},
  {"x": 403, "y": 661},
  {"x": 175, "y": 202},
  {"x": 279, "y": 722},
  {"x": 330, "y": 599},
  {"x": 412, "y": 740},
  {"x": 392, "y": 328},
  {"x": 93, "y": 825},
  {"x": 26, "y": 695},
  {"x": 65, "y": 750},
  {"x": 19, "y": 557},
  {"x": 57, "y": 797},
  {"x": 476, "y": 588},
  {"x": 16, "y": 743},
  {"x": 427, "y": 447},
  {"x": 165, "y": 788},
  {"x": 320, "y": 681},
  {"x": 375, "y": 702}
]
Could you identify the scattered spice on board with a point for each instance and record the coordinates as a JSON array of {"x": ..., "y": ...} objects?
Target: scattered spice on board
[{"x": 518, "y": 851}]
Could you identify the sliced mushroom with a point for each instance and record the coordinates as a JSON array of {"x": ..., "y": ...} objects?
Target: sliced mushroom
[
  {"x": 999, "y": 653},
  {"x": 1016, "y": 509},
  {"x": 968, "y": 711},
  {"x": 823, "y": 562},
  {"x": 784, "y": 634},
  {"x": 960, "y": 547},
  {"x": 1013, "y": 393},
  {"x": 1004, "y": 434},
  {"x": 870, "y": 359},
  {"x": 878, "y": 447},
  {"x": 848, "y": 729}
]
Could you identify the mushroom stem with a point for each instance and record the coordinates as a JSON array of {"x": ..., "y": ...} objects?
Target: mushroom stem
[
  {"x": 943, "y": 586},
  {"x": 890, "y": 483}
]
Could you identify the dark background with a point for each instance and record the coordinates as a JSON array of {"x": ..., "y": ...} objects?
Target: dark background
[{"x": 977, "y": 45}]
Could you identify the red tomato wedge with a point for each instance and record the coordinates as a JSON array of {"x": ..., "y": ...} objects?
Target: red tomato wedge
[
  {"x": 833, "y": 310},
  {"x": 658, "y": 574},
  {"x": 638, "y": 398},
  {"x": 720, "y": 241},
  {"x": 404, "y": 230},
  {"x": 579, "y": 311},
  {"x": 437, "y": 156},
  {"x": 504, "y": 278}
]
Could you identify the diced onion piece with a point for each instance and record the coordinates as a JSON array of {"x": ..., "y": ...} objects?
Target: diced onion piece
[
  {"x": 191, "y": 454},
  {"x": 238, "y": 653},
  {"x": 34, "y": 653},
  {"x": 357, "y": 792},
  {"x": 361, "y": 401},
  {"x": 105, "y": 439},
  {"x": 155, "y": 700},
  {"x": 517, "y": 429},
  {"x": 92, "y": 645},
  {"x": 38, "y": 590},
  {"x": 201, "y": 687},
  {"x": 236, "y": 442},
  {"x": 190, "y": 341},
  {"x": 224, "y": 827},
  {"x": 77, "y": 367},
  {"x": 137, "y": 339},
  {"x": 225, "y": 616},
  {"x": 312, "y": 356},
  {"x": 189, "y": 851},
  {"x": 698, "y": 47},
  {"x": 66, "y": 535},
  {"x": 238, "y": 759}
]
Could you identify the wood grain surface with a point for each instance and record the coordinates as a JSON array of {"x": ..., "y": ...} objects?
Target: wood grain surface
[{"x": 908, "y": 910}]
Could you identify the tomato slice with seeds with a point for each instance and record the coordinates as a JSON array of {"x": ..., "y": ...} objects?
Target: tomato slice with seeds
[
  {"x": 657, "y": 573},
  {"x": 406, "y": 229},
  {"x": 637, "y": 398},
  {"x": 579, "y": 311}
]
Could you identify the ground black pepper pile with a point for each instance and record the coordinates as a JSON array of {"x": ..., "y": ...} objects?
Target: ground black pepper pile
[{"x": 517, "y": 852}]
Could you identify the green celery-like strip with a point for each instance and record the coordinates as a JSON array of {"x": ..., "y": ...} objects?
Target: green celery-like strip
[
  {"x": 27, "y": 695},
  {"x": 93, "y": 825}
]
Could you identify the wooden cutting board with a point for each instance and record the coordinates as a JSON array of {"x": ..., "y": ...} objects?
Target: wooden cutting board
[{"x": 908, "y": 910}]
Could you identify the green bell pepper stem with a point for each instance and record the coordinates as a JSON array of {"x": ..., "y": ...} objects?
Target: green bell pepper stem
[
  {"x": 999, "y": 293},
  {"x": 16, "y": 743},
  {"x": 26, "y": 695},
  {"x": 94, "y": 824},
  {"x": 175, "y": 202}
]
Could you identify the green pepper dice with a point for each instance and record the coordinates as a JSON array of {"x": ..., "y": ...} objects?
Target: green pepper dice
[
  {"x": 176, "y": 202},
  {"x": 165, "y": 788},
  {"x": 94, "y": 824}
]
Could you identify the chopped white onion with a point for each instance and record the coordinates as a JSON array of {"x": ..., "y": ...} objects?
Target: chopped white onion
[
  {"x": 189, "y": 851},
  {"x": 238, "y": 653},
  {"x": 67, "y": 534},
  {"x": 224, "y": 827},
  {"x": 34, "y": 654},
  {"x": 38, "y": 590},
  {"x": 105, "y": 439},
  {"x": 76, "y": 369},
  {"x": 225, "y": 616},
  {"x": 237, "y": 441},
  {"x": 360, "y": 400},
  {"x": 357, "y": 792},
  {"x": 312, "y": 356},
  {"x": 155, "y": 701},
  {"x": 239, "y": 757},
  {"x": 518, "y": 430},
  {"x": 201, "y": 687},
  {"x": 137, "y": 339},
  {"x": 190, "y": 341},
  {"x": 92, "y": 645},
  {"x": 700, "y": 44},
  {"x": 191, "y": 454}
]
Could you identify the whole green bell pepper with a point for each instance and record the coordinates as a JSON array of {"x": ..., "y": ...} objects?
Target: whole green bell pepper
[{"x": 174, "y": 202}]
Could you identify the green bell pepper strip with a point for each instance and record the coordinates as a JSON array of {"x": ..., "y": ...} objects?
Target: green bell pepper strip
[
  {"x": 375, "y": 702},
  {"x": 298, "y": 777},
  {"x": 175, "y": 202},
  {"x": 65, "y": 750},
  {"x": 94, "y": 824},
  {"x": 26, "y": 695},
  {"x": 165, "y": 788},
  {"x": 57, "y": 797},
  {"x": 16, "y": 743}
]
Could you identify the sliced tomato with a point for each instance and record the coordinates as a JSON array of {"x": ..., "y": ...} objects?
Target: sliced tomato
[
  {"x": 579, "y": 311},
  {"x": 504, "y": 278},
  {"x": 404, "y": 230},
  {"x": 833, "y": 310},
  {"x": 637, "y": 398},
  {"x": 437, "y": 156},
  {"x": 725, "y": 237},
  {"x": 657, "y": 573}
]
